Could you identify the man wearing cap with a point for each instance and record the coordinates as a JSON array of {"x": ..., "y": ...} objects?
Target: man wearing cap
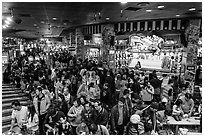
[
  {"x": 135, "y": 127},
  {"x": 119, "y": 117}
]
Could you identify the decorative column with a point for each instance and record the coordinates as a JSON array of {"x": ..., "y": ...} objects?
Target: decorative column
[
  {"x": 107, "y": 35},
  {"x": 192, "y": 37}
]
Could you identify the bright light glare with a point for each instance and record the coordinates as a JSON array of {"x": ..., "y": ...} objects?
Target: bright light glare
[
  {"x": 7, "y": 22},
  {"x": 9, "y": 19},
  {"x": 123, "y": 2},
  {"x": 160, "y": 7},
  {"x": 148, "y": 10},
  {"x": 4, "y": 27},
  {"x": 192, "y": 9}
]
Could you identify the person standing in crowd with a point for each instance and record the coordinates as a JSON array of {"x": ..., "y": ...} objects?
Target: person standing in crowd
[
  {"x": 58, "y": 86},
  {"x": 134, "y": 126},
  {"x": 119, "y": 117},
  {"x": 187, "y": 104},
  {"x": 106, "y": 96},
  {"x": 117, "y": 86},
  {"x": 156, "y": 83},
  {"x": 87, "y": 114},
  {"x": 95, "y": 129},
  {"x": 33, "y": 121},
  {"x": 136, "y": 88},
  {"x": 93, "y": 92},
  {"x": 128, "y": 103},
  {"x": 74, "y": 114},
  {"x": 63, "y": 106},
  {"x": 100, "y": 115},
  {"x": 19, "y": 115},
  {"x": 42, "y": 104},
  {"x": 147, "y": 93},
  {"x": 152, "y": 75},
  {"x": 68, "y": 97},
  {"x": 111, "y": 83}
]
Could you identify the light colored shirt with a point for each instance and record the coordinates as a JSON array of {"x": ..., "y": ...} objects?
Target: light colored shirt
[
  {"x": 186, "y": 105},
  {"x": 33, "y": 123},
  {"x": 20, "y": 116}
]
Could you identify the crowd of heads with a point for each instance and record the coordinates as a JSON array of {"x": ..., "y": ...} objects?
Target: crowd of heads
[{"x": 123, "y": 102}]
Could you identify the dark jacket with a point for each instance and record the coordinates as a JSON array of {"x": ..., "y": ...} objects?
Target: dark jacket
[
  {"x": 156, "y": 83},
  {"x": 115, "y": 116},
  {"x": 86, "y": 117},
  {"x": 136, "y": 88},
  {"x": 111, "y": 82},
  {"x": 100, "y": 118}
]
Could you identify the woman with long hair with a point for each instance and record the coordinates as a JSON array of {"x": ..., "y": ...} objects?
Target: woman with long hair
[
  {"x": 33, "y": 120},
  {"x": 63, "y": 106}
]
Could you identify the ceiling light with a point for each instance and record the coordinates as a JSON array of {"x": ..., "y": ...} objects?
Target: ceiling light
[
  {"x": 107, "y": 18},
  {"x": 123, "y": 2},
  {"x": 9, "y": 19},
  {"x": 42, "y": 22},
  {"x": 177, "y": 15},
  {"x": 4, "y": 27},
  {"x": 7, "y": 22},
  {"x": 35, "y": 25},
  {"x": 148, "y": 10},
  {"x": 54, "y": 18},
  {"x": 160, "y": 7},
  {"x": 192, "y": 9}
]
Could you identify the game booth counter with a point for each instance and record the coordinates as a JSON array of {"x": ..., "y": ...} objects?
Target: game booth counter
[{"x": 150, "y": 52}]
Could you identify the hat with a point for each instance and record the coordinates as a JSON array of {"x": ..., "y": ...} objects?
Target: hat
[
  {"x": 164, "y": 100},
  {"x": 135, "y": 119}
]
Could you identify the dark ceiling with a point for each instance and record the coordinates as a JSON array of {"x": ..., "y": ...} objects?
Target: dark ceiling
[{"x": 34, "y": 19}]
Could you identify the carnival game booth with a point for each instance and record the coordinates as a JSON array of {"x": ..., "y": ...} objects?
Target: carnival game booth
[{"x": 155, "y": 53}]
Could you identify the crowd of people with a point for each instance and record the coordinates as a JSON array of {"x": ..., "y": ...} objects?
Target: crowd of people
[{"x": 82, "y": 97}]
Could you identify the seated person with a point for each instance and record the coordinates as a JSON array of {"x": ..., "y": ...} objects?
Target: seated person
[
  {"x": 177, "y": 110},
  {"x": 187, "y": 104},
  {"x": 19, "y": 115}
]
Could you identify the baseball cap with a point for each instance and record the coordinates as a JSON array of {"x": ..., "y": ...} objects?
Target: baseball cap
[{"x": 135, "y": 119}]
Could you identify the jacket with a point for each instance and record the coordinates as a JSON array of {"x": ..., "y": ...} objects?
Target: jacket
[
  {"x": 115, "y": 116},
  {"x": 100, "y": 118},
  {"x": 44, "y": 105}
]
